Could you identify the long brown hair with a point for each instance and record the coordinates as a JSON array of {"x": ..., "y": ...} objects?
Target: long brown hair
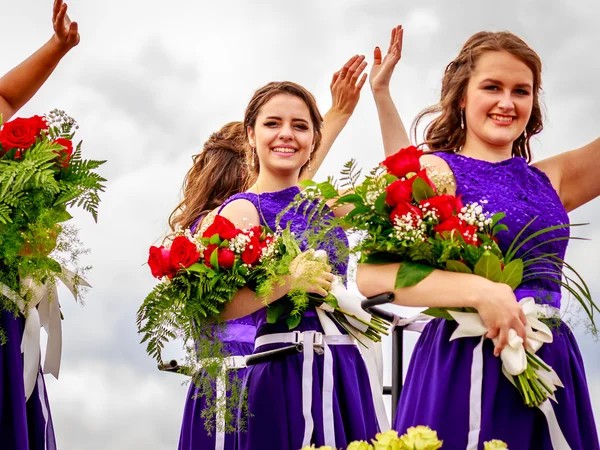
[
  {"x": 219, "y": 171},
  {"x": 270, "y": 90},
  {"x": 444, "y": 133}
]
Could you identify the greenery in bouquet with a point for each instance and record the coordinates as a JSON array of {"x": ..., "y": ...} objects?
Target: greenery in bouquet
[
  {"x": 403, "y": 217},
  {"x": 42, "y": 174}
]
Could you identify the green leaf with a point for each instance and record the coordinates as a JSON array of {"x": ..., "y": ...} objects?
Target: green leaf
[
  {"x": 497, "y": 218},
  {"x": 331, "y": 301},
  {"x": 62, "y": 215},
  {"x": 513, "y": 273},
  {"x": 215, "y": 239},
  {"x": 411, "y": 273},
  {"x": 197, "y": 268},
  {"x": 380, "y": 202},
  {"x": 293, "y": 321},
  {"x": 489, "y": 267},
  {"x": 307, "y": 183},
  {"x": 275, "y": 311},
  {"x": 327, "y": 190},
  {"x": 421, "y": 190},
  {"x": 224, "y": 244},
  {"x": 498, "y": 228},
  {"x": 349, "y": 198},
  {"x": 440, "y": 313},
  {"x": 457, "y": 266},
  {"x": 214, "y": 258},
  {"x": 360, "y": 209}
]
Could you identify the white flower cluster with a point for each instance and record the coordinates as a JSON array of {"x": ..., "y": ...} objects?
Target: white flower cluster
[
  {"x": 429, "y": 213},
  {"x": 406, "y": 229},
  {"x": 58, "y": 117},
  {"x": 473, "y": 214},
  {"x": 374, "y": 191},
  {"x": 270, "y": 251},
  {"x": 238, "y": 243}
]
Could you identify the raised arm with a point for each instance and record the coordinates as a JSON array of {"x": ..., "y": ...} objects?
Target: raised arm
[
  {"x": 345, "y": 87},
  {"x": 574, "y": 174},
  {"x": 393, "y": 131},
  {"x": 21, "y": 83}
]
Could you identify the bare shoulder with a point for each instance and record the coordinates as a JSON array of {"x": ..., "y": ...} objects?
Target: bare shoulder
[
  {"x": 434, "y": 162},
  {"x": 241, "y": 212},
  {"x": 439, "y": 173}
]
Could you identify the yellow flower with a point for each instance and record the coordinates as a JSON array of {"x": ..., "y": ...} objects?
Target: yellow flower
[
  {"x": 494, "y": 445},
  {"x": 359, "y": 445},
  {"x": 420, "y": 438},
  {"x": 387, "y": 441}
]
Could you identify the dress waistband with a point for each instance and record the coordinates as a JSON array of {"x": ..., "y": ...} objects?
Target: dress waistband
[
  {"x": 541, "y": 296},
  {"x": 238, "y": 332}
]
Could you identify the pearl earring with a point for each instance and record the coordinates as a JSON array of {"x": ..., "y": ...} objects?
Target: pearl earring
[{"x": 462, "y": 118}]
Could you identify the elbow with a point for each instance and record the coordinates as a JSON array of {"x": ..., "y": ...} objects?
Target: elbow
[{"x": 367, "y": 280}]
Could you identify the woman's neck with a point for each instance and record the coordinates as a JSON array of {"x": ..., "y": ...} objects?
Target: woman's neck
[
  {"x": 268, "y": 182},
  {"x": 477, "y": 149}
]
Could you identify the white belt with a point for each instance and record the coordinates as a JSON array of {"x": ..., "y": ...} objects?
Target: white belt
[{"x": 313, "y": 341}]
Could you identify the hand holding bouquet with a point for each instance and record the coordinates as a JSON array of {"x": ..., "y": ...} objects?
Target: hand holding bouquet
[{"x": 405, "y": 219}]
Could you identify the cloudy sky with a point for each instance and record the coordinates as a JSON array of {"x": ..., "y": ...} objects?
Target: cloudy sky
[{"x": 151, "y": 80}]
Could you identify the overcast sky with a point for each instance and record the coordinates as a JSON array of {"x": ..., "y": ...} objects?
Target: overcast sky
[{"x": 152, "y": 79}]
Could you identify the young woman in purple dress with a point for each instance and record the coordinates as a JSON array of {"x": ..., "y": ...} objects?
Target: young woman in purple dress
[
  {"x": 488, "y": 112},
  {"x": 322, "y": 395},
  {"x": 220, "y": 171},
  {"x": 27, "y": 424}
]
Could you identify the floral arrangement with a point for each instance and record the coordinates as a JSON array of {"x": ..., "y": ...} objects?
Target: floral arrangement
[
  {"x": 42, "y": 174},
  {"x": 403, "y": 218},
  {"x": 201, "y": 273},
  {"x": 415, "y": 438}
]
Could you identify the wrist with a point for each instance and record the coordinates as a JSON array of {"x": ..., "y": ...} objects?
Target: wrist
[
  {"x": 57, "y": 47},
  {"x": 336, "y": 113},
  {"x": 380, "y": 92},
  {"x": 478, "y": 294}
]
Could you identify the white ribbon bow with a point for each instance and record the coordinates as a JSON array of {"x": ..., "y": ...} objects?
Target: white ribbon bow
[
  {"x": 514, "y": 362},
  {"x": 43, "y": 310}
]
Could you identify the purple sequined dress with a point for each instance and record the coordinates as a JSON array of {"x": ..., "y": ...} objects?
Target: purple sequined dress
[
  {"x": 23, "y": 425},
  {"x": 237, "y": 341},
  {"x": 436, "y": 391},
  {"x": 275, "y": 388}
]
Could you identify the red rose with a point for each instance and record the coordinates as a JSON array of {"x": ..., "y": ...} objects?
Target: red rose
[
  {"x": 208, "y": 251},
  {"x": 444, "y": 205},
  {"x": 423, "y": 175},
  {"x": 21, "y": 133},
  {"x": 455, "y": 225},
  {"x": 404, "y": 161},
  {"x": 403, "y": 209},
  {"x": 253, "y": 251},
  {"x": 449, "y": 226},
  {"x": 226, "y": 258},
  {"x": 221, "y": 226},
  {"x": 64, "y": 155},
  {"x": 399, "y": 191},
  {"x": 183, "y": 253},
  {"x": 159, "y": 263}
]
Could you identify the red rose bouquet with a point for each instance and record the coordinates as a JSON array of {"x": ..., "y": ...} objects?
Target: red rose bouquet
[
  {"x": 403, "y": 218},
  {"x": 200, "y": 274},
  {"x": 41, "y": 175}
]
